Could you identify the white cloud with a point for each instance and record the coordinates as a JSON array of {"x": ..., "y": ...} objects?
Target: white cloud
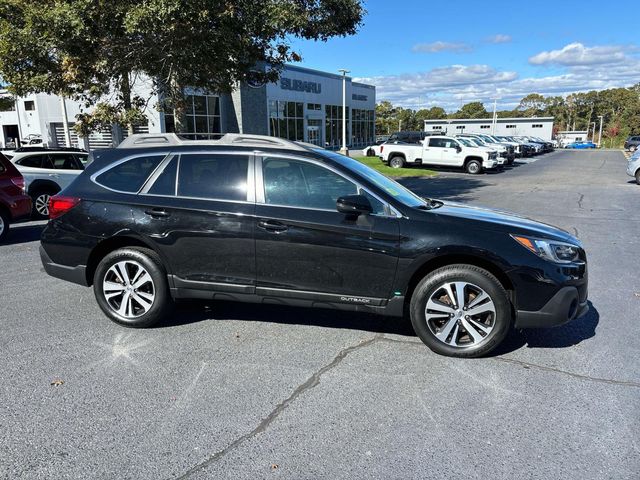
[
  {"x": 439, "y": 46},
  {"x": 577, "y": 54},
  {"x": 452, "y": 86},
  {"x": 499, "y": 38}
]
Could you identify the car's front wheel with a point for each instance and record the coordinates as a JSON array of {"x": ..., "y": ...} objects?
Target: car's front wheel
[
  {"x": 460, "y": 311},
  {"x": 473, "y": 167},
  {"x": 638, "y": 177},
  {"x": 131, "y": 288}
]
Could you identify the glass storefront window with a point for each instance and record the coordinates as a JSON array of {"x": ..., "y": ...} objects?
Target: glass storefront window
[{"x": 202, "y": 117}]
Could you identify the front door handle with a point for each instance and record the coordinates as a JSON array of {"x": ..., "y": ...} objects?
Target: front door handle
[
  {"x": 272, "y": 226},
  {"x": 157, "y": 213}
]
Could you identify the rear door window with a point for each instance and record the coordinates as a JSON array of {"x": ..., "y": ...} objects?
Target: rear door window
[
  {"x": 33, "y": 161},
  {"x": 129, "y": 176},
  {"x": 213, "y": 176},
  {"x": 437, "y": 142}
]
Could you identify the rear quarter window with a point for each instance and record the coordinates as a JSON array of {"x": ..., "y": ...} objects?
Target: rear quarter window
[{"x": 129, "y": 176}]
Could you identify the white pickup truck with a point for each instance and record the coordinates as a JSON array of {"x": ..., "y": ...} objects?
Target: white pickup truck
[{"x": 441, "y": 151}]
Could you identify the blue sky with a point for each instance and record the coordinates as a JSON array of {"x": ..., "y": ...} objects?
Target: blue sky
[{"x": 420, "y": 56}]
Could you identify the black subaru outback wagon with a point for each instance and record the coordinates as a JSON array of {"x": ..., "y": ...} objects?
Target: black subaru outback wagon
[{"x": 260, "y": 219}]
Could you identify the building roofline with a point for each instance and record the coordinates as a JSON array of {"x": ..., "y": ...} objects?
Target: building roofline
[
  {"x": 489, "y": 120},
  {"x": 320, "y": 73}
]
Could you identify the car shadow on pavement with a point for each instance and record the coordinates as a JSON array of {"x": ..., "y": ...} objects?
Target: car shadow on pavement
[
  {"x": 24, "y": 234},
  {"x": 193, "y": 311},
  {"x": 564, "y": 336},
  {"x": 444, "y": 188}
]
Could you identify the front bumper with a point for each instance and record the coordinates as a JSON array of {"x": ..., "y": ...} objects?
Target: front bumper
[
  {"x": 563, "y": 307},
  {"x": 77, "y": 274}
]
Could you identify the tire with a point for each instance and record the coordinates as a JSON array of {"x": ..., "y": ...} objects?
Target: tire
[
  {"x": 396, "y": 162},
  {"x": 490, "y": 325},
  {"x": 473, "y": 167},
  {"x": 638, "y": 177},
  {"x": 5, "y": 223},
  {"x": 40, "y": 200},
  {"x": 148, "y": 304},
  {"x": 371, "y": 152}
]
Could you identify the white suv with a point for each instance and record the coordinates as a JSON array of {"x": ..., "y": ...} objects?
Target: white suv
[
  {"x": 633, "y": 167},
  {"x": 46, "y": 172}
]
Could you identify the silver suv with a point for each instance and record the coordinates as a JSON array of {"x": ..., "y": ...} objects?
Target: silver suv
[{"x": 46, "y": 172}]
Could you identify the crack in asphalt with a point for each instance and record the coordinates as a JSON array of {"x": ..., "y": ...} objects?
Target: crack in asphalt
[
  {"x": 625, "y": 383},
  {"x": 310, "y": 383},
  {"x": 580, "y": 200}
]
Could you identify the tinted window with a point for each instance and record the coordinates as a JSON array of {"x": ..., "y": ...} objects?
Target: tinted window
[
  {"x": 64, "y": 161},
  {"x": 300, "y": 184},
  {"x": 129, "y": 176},
  {"x": 165, "y": 183},
  {"x": 438, "y": 142},
  {"x": 212, "y": 176},
  {"x": 84, "y": 159},
  {"x": 34, "y": 161}
]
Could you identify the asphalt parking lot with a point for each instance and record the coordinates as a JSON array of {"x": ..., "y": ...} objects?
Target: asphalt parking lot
[{"x": 243, "y": 391}]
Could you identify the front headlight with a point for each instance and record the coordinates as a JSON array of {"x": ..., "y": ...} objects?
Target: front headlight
[{"x": 558, "y": 252}]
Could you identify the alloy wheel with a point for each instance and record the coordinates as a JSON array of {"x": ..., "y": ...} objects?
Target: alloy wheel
[
  {"x": 42, "y": 204},
  {"x": 2, "y": 227},
  {"x": 460, "y": 314},
  {"x": 128, "y": 289}
]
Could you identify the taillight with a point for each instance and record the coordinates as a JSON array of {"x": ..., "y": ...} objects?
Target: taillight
[
  {"x": 59, "y": 205},
  {"x": 18, "y": 182}
]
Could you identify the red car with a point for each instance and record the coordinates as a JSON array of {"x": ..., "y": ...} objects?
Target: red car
[{"x": 15, "y": 204}]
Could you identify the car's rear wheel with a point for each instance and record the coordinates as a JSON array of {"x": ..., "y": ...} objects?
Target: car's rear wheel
[
  {"x": 396, "y": 162},
  {"x": 461, "y": 311},
  {"x": 131, "y": 288},
  {"x": 40, "y": 200},
  {"x": 473, "y": 167},
  {"x": 4, "y": 225}
]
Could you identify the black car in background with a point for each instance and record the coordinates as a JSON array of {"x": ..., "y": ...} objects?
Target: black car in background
[
  {"x": 265, "y": 220},
  {"x": 632, "y": 143}
]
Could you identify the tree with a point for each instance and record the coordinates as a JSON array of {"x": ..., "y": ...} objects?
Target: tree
[
  {"x": 472, "y": 110},
  {"x": 532, "y": 105},
  {"x": 85, "y": 49}
]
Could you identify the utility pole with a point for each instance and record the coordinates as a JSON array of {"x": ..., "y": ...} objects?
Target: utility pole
[
  {"x": 65, "y": 121},
  {"x": 344, "y": 150},
  {"x": 600, "y": 134},
  {"x": 494, "y": 121}
]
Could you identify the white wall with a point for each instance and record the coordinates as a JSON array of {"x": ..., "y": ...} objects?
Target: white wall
[{"x": 522, "y": 126}]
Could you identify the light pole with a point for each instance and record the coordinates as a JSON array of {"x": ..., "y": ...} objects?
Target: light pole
[
  {"x": 344, "y": 150},
  {"x": 600, "y": 134},
  {"x": 494, "y": 120},
  {"x": 65, "y": 121}
]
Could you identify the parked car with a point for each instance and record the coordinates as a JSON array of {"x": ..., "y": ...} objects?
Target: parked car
[
  {"x": 632, "y": 143},
  {"x": 440, "y": 151},
  {"x": 414, "y": 137},
  {"x": 633, "y": 167},
  {"x": 261, "y": 219},
  {"x": 474, "y": 142},
  {"x": 581, "y": 145},
  {"x": 46, "y": 172},
  {"x": 15, "y": 204},
  {"x": 504, "y": 150}
]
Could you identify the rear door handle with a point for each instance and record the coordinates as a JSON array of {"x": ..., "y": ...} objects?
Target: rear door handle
[
  {"x": 157, "y": 213},
  {"x": 272, "y": 226}
]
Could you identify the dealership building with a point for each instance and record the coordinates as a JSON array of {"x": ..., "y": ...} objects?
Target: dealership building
[
  {"x": 304, "y": 105},
  {"x": 541, "y": 127}
]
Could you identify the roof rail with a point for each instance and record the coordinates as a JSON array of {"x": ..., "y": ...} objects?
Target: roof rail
[{"x": 144, "y": 140}]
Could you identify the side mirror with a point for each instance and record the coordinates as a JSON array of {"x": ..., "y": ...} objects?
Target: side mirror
[
  {"x": 458, "y": 149},
  {"x": 354, "y": 205}
]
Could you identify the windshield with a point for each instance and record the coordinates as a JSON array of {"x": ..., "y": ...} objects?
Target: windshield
[
  {"x": 487, "y": 139},
  {"x": 397, "y": 191},
  {"x": 466, "y": 142}
]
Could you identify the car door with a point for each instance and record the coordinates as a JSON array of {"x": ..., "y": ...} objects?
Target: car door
[
  {"x": 451, "y": 153},
  {"x": 306, "y": 249},
  {"x": 63, "y": 168},
  {"x": 198, "y": 210},
  {"x": 432, "y": 151}
]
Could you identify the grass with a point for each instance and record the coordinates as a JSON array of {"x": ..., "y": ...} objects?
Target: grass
[{"x": 376, "y": 164}]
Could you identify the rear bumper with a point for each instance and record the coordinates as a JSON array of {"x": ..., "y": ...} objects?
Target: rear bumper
[
  {"x": 77, "y": 274},
  {"x": 563, "y": 307}
]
